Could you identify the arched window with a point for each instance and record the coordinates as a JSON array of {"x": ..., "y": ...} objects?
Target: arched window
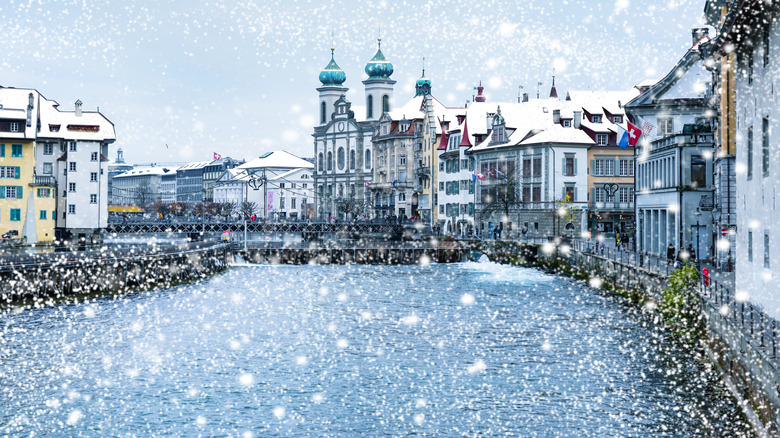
[
  {"x": 341, "y": 158},
  {"x": 385, "y": 103},
  {"x": 352, "y": 160},
  {"x": 330, "y": 161},
  {"x": 322, "y": 164},
  {"x": 370, "y": 107},
  {"x": 323, "y": 107},
  {"x": 368, "y": 158}
]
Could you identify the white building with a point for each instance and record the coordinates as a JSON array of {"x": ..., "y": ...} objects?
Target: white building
[
  {"x": 754, "y": 36},
  {"x": 144, "y": 185},
  {"x": 674, "y": 172},
  {"x": 73, "y": 147},
  {"x": 279, "y": 183}
]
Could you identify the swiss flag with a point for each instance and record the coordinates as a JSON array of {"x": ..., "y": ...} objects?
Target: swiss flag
[
  {"x": 633, "y": 134},
  {"x": 217, "y": 156}
]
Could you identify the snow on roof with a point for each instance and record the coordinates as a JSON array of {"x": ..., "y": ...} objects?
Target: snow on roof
[
  {"x": 595, "y": 102},
  {"x": 410, "y": 110},
  {"x": 647, "y": 83},
  {"x": 141, "y": 171},
  {"x": 289, "y": 173},
  {"x": 558, "y": 134},
  {"x": 277, "y": 159},
  {"x": 194, "y": 165}
]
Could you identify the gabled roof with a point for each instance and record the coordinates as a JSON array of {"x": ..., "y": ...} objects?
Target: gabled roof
[
  {"x": 465, "y": 141},
  {"x": 656, "y": 93},
  {"x": 276, "y": 159},
  {"x": 142, "y": 171},
  {"x": 194, "y": 165}
]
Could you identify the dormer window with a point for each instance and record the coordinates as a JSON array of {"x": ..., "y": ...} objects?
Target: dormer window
[
  {"x": 499, "y": 129},
  {"x": 14, "y": 127},
  {"x": 617, "y": 120},
  {"x": 567, "y": 123},
  {"x": 596, "y": 119}
]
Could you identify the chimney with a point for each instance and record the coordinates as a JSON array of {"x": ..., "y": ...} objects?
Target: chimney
[
  {"x": 557, "y": 117},
  {"x": 698, "y": 33},
  {"x": 525, "y": 97},
  {"x": 78, "y": 108},
  {"x": 577, "y": 119}
]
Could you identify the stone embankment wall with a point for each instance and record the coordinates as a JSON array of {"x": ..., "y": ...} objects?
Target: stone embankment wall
[
  {"x": 60, "y": 275},
  {"x": 359, "y": 253},
  {"x": 744, "y": 350}
]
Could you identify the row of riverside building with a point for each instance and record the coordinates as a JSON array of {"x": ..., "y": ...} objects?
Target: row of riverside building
[{"x": 703, "y": 175}]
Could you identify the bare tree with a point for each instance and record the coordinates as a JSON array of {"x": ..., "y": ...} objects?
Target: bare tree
[
  {"x": 247, "y": 208},
  {"x": 502, "y": 197},
  {"x": 226, "y": 209},
  {"x": 349, "y": 205}
]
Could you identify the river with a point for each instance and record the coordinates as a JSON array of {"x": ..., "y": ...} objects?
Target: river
[{"x": 470, "y": 349}]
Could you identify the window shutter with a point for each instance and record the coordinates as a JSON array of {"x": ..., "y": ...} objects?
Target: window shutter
[
  {"x": 2, "y": 192},
  {"x": 19, "y": 193},
  {"x": 563, "y": 165},
  {"x": 575, "y": 167},
  {"x": 2, "y": 150},
  {"x": 593, "y": 196},
  {"x": 593, "y": 167},
  {"x": 17, "y": 172},
  {"x": 575, "y": 194},
  {"x": 616, "y": 169}
]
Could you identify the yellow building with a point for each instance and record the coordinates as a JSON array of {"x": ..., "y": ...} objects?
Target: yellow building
[{"x": 27, "y": 201}]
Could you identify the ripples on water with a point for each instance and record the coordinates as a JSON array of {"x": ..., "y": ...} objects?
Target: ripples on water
[{"x": 442, "y": 350}]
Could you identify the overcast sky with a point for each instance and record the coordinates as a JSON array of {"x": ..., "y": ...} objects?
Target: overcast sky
[{"x": 239, "y": 77}]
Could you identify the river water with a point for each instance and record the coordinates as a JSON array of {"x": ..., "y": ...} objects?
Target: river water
[{"x": 473, "y": 349}]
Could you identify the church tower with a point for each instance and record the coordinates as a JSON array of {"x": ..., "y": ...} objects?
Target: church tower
[
  {"x": 332, "y": 79},
  {"x": 379, "y": 86}
]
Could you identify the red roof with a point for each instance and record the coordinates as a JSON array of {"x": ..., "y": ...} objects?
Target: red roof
[
  {"x": 443, "y": 141},
  {"x": 465, "y": 140}
]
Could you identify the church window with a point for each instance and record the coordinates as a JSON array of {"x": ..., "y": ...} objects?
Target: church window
[
  {"x": 330, "y": 161},
  {"x": 352, "y": 159},
  {"x": 341, "y": 158},
  {"x": 368, "y": 158},
  {"x": 322, "y": 112},
  {"x": 385, "y": 103},
  {"x": 322, "y": 165},
  {"x": 370, "y": 107}
]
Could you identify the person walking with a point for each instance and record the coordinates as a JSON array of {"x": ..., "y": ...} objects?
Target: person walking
[
  {"x": 617, "y": 241},
  {"x": 624, "y": 240},
  {"x": 525, "y": 232},
  {"x": 669, "y": 254}
]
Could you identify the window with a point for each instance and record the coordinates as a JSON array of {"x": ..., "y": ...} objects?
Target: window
[
  {"x": 765, "y": 145},
  {"x": 568, "y": 166},
  {"x": 16, "y": 151},
  {"x": 93, "y": 156},
  {"x": 626, "y": 194},
  {"x": 72, "y": 146},
  {"x": 330, "y": 161},
  {"x": 370, "y": 107},
  {"x": 665, "y": 126},
  {"x": 402, "y": 160},
  {"x": 368, "y": 158},
  {"x": 16, "y": 214},
  {"x": 292, "y": 203},
  {"x": 71, "y": 208},
  {"x": 281, "y": 185},
  {"x": 340, "y": 157},
  {"x": 698, "y": 174},
  {"x": 385, "y": 103},
  {"x": 352, "y": 160},
  {"x": 71, "y": 187},
  {"x": 321, "y": 162},
  {"x": 537, "y": 194},
  {"x": 569, "y": 193},
  {"x": 750, "y": 153},
  {"x": 323, "y": 108},
  {"x": 766, "y": 46},
  {"x": 72, "y": 166},
  {"x": 14, "y": 127},
  {"x": 48, "y": 169},
  {"x": 42, "y": 214},
  {"x": 281, "y": 202},
  {"x": 750, "y": 246},
  {"x": 596, "y": 119},
  {"x": 617, "y": 120},
  {"x": 626, "y": 167},
  {"x": 766, "y": 249},
  {"x": 48, "y": 149},
  {"x": 601, "y": 195},
  {"x": 601, "y": 139},
  {"x": 93, "y": 199},
  {"x": 10, "y": 172},
  {"x": 93, "y": 177},
  {"x": 441, "y": 166},
  {"x": 604, "y": 167},
  {"x": 44, "y": 193},
  {"x": 441, "y": 186},
  {"x": 538, "y": 166},
  {"x": 11, "y": 192},
  {"x": 566, "y": 123}
]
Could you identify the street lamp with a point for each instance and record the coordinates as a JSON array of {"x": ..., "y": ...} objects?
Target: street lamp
[{"x": 697, "y": 213}]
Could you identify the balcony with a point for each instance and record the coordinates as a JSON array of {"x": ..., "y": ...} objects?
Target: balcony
[
  {"x": 612, "y": 206},
  {"x": 683, "y": 139},
  {"x": 44, "y": 181},
  {"x": 423, "y": 171}
]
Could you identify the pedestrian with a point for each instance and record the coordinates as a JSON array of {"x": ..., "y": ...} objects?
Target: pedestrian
[
  {"x": 624, "y": 240},
  {"x": 525, "y": 231},
  {"x": 617, "y": 241},
  {"x": 669, "y": 254}
]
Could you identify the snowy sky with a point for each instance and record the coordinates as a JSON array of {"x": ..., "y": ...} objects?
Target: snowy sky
[{"x": 239, "y": 77}]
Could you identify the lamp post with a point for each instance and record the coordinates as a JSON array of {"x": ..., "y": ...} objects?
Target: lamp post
[{"x": 697, "y": 213}]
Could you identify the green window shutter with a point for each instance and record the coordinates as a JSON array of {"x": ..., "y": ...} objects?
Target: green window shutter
[
  {"x": 563, "y": 165},
  {"x": 575, "y": 194},
  {"x": 2, "y": 192},
  {"x": 19, "y": 193},
  {"x": 592, "y": 166},
  {"x": 2, "y": 150},
  {"x": 18, "y": 172},
  {"x": 593, "y": 196}
]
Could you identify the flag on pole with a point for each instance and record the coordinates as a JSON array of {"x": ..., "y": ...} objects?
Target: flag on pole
[
  {"x": 622, "y": 137},
  {"x": 633, "y": 134},
  {"x": 366, "y": 183},
  {"x": 492, "y": 175},
  {"x": 395, "y": 181},
  {"x": 217, "y": 156},
  {"x": 500, "y": 174},
  {"x": 480, "y": 176},
  {"x": 474, "y": 177},
  {"x": 647, "y": 127}
]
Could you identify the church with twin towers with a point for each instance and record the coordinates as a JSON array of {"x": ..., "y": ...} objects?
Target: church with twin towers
[{"x": 343, "y": 152}]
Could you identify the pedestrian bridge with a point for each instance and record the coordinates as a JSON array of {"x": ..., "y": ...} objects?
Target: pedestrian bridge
[{"x": 192, "y": 227}]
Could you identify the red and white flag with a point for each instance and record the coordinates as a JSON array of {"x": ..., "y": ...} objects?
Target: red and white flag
[
  {"x": 480, "y": 176},
  {"x": 633, "y": 134},
  {"x": 217, "y": 156},
  {"x": 366, "y": 182}
]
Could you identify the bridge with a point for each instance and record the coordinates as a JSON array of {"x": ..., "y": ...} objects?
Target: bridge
[{"x": 305, "y": 228}]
